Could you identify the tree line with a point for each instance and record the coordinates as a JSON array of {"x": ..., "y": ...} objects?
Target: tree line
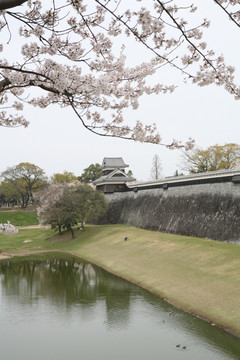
[
  {"x": 213, "y": 158},
  {"x": 66, "y": 200},
  {"x": 62, "y": 201},
  {"x": 21, "y": 182},
  {"x": 198, "y": 160}
]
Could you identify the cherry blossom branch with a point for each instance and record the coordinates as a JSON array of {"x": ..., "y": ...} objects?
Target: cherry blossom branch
[
  {"x": 184, "y": 34},
  {"x": 167, "y": 61},
  {"x": 135, "y": 136},
  {"x": 29, "y": 72},
  {"x": 225, "y": 79},
  {"x": 4, "y": 83},
  {"x": 231, "y": 16},
  {"x": 68, "y": 54},
  {"x": 91, "y": 128}
]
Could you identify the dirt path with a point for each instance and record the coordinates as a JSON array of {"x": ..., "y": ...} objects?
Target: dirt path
[
  {"x": 34, "y": 227},
  {"x": 37, "y": 252},
  {"x": 4, "y": 256}
]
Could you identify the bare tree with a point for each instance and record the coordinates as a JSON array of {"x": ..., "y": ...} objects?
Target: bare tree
[{"x": 156, "y": 171}]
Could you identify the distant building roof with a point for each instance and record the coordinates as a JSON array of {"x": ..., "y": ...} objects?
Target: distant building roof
[
  {"x": 113, "y": 162},
  {"x": 115, "y": 177},
  {"x": 233, "y": 175}
]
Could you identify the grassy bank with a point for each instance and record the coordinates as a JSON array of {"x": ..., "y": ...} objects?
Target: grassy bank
[
  {"x": 19, "y": 218},
  {"x": 198, "y": 275}
]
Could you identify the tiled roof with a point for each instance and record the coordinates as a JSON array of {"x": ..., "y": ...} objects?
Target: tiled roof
[
  {"x": 114, "y": 178},
  {"x": 113, "y": 162}
]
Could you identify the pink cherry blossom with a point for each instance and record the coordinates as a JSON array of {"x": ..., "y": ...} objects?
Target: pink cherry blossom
[
  {"x": 8, "y": 229},
  {"x": 73, "y": 54}
]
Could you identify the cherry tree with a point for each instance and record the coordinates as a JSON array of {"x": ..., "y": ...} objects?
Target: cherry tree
[
  {"x": 72, "y": 53},
  {"x": 64, "y": 205},
  {"x": 8, "y": 229}
]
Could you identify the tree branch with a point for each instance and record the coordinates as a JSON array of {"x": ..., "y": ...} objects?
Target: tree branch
[
  {"x": 3, "y": 84},
  {"x": 164, "y": 58},
  {"x": 184, "y": 34},
  {"x": 227, "y": 12}
]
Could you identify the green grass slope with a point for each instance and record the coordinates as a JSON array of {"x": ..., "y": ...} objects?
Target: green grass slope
[{"x": 19, "y": 218}]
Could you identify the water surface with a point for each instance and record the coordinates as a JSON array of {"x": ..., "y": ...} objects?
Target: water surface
[{"x": 59, "y": 309}]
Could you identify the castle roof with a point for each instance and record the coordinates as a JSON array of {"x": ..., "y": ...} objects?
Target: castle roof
[
  {"x": 113, "y": 163},
  {"x": 115, "y": 177}
]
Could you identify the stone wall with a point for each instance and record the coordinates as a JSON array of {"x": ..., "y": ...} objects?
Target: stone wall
[{"x": 203, "y": 210}]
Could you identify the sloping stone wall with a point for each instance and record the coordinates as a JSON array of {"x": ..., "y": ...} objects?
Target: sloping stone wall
[{"x": 203, "y": 210}]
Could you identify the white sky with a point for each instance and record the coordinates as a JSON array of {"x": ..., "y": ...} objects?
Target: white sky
[{"x": 56, "y": 141}]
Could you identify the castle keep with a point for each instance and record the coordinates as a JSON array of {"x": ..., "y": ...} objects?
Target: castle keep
[{"x": 114, "y": 177}]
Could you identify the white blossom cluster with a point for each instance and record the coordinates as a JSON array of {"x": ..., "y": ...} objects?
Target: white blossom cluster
[
  {"x": 8, "y": 229},
  {"x": 69, "y": 54}
]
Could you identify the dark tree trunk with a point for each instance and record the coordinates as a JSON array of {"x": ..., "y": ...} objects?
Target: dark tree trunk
[
  {"x": 72, "y": 232},
  {"x": 60, "y": 229},
  {"x": 25, "y": 201},
  {"x": 82, "y": 225}
]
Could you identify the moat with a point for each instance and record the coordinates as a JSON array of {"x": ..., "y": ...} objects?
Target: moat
[{"x": 65, "y": 308}]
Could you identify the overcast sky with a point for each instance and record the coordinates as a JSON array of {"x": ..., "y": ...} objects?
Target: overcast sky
[{"x": 56, "y": 141}]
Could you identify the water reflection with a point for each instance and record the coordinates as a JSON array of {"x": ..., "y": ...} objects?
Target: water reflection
[
  {"x": 107, "y": 316},
  {"x": 64, "y": 284}
]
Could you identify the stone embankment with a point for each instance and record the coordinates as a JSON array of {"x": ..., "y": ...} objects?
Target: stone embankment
[{"x": 208, "y": 208}]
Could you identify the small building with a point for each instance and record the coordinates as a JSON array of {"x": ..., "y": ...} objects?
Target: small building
[{"x": 114, "y": 177}]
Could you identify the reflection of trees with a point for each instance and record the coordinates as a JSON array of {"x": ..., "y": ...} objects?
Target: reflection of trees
[
  {"x": 117, "y": 293},
  {"x": 65, "y": 283}
]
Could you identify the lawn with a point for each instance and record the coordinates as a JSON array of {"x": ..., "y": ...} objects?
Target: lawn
[
  {"x": 19, "y": 217},
  {"x": 200, "y": 276},
  {"x": 26, "y": 240}
]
